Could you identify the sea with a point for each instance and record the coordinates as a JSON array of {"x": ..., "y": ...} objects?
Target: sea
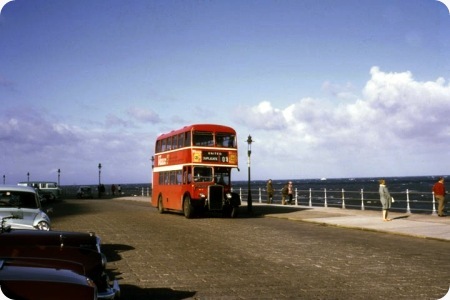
[{"x": 412, "y": 194}]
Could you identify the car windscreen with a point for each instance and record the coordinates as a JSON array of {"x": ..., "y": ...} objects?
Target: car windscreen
[{"x": 17, "y": 199}]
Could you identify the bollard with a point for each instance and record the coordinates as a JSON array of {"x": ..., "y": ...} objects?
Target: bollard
[
  {"x": 362, "y": 199},
  {"x": 343, "y": 199},
  {"x": 296, "y": 200},
  {"x": 408, "y": 209},
  {"x": 434, "y": 213},
  {"x": 259, "y": 195},
  {"x": 310, "y": 198},
  {"x": 325, "y": 204}
]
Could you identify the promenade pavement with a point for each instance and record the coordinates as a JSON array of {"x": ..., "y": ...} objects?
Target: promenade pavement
[{"x": 407, "y": 224}]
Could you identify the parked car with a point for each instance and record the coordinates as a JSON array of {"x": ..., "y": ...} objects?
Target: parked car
[
  {"x": 49, "y": 190},
  {"x": 74, "y": 251},
  {"x": 30, "y": 280},
  {"x": 85, "y": 192},
  {"x": 21, "y": 208}
]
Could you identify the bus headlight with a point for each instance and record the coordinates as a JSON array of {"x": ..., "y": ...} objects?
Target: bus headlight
[
  {"x": 229, "y": 196},
  {"x": 202, "y": 195}
]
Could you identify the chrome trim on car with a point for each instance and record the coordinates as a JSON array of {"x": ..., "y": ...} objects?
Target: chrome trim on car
[{"x": 111, "y": 293}]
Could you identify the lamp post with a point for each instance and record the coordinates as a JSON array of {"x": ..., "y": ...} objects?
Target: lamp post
[
  {"x": 28, "y": 176},
  {"x": 59, "y": 175},
  {"x": 249, "y": 194},
  {"x": 153, "y": 162},
  {"x": 4, "y": 179},
  {"x": 99, "y": 180}
]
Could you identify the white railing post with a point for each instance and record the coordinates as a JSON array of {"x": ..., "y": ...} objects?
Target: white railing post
[
  {"x": 434, "y": 213},
  {"x": 362, "y": 199},
  {"x": 325, "y": 204},
  {"x": 343, "y": 199},
  {"x": 310, "y": 198},
  {"x": 408, "y": 209},
  {"x": 240, "y": 193},
  {"x": 148, "y": 192},
  {"x": 296, "y": 201},
  {"x": 142, "y": 192}
]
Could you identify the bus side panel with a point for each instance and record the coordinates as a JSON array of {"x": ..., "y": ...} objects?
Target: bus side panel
[
  {"x": 170, "y": 195},
  {"x": 155, "y": 190}
]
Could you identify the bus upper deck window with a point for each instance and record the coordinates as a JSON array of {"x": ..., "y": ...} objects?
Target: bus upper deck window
[
  {"x": 226, "y": 140},
  {"x": 202, "y": 138},
  {"x": 187, "y": 139}
]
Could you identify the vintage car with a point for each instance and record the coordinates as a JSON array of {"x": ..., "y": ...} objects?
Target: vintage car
[
  {"x": 85, "y": 192},
  {"x": 21, "y": 209},
  {"x": 51, "y": 249},
  {"x": 49, "y": 190},
  {"x": 31, "y": 280}
]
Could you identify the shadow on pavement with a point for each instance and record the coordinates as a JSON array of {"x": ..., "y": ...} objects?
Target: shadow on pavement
[
  {"x": 136, "y": 293},
  {"x": 400, "y": 217},
  {"x": 63, "y": 209},
  {"x": 262, "y": 210},
  {"x": 113, "y": 251}
]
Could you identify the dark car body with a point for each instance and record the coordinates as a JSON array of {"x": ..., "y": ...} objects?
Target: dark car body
[
  {"x": 61, "y": 249},
  {"x": 26, "y": 279}
]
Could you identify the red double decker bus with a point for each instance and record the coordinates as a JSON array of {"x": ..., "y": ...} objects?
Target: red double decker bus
[{"x": 192, "y": 170}]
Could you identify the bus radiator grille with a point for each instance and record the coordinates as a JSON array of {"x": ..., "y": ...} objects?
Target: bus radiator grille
[{"x": 215, "y": 196}]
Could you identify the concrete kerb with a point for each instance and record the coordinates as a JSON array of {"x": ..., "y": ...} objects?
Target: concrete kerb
[
  {"x": 134, "y": 198},
  {"x": 416, "y": 225}
]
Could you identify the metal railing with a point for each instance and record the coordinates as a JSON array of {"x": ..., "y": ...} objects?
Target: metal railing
[{"x": 407, "y": 201}]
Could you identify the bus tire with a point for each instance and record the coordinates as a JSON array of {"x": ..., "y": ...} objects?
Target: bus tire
[
  {"x": 160, "y": 205},
  {"x": 188, "y": 210}
]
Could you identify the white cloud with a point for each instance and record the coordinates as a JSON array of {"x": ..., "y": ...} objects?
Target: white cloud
[
  {"x": 30, "y": 142},
  {"x": 262, "y": 116},
  {"x": 393, "y": 127}
]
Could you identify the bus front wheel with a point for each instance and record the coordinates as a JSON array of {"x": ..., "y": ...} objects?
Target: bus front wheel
[
  {"x": 160, "y": 205},
  {"x": 188, "y": 210}
]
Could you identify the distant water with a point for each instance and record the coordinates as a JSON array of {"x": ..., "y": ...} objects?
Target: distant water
[{"x": 324, "y": 191}]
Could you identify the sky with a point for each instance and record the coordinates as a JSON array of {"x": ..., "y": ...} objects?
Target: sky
[{"x": 334, "y": 89}]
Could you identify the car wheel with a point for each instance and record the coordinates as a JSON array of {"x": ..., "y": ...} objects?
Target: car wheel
[{"x": 42, "y": 225}]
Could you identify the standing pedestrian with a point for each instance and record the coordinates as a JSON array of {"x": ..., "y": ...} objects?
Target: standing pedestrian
[
  {"x": 270, "y": 191},
  {"x": 119, "y": 190},
  {"x": 113, "y": 189},
  {"x": 284, "y": 193},
  {"x": 439, "y": 194},
  {"x": 290, "y": 191},
  {"x": 385, "y": 199}
]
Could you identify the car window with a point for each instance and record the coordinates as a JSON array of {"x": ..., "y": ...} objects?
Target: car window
[{"x": 17, "y": 199}]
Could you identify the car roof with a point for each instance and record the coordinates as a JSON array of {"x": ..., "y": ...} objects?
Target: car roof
[
  {"x": 17, "y": 188},
  {"x": 42, "y": 181}
]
